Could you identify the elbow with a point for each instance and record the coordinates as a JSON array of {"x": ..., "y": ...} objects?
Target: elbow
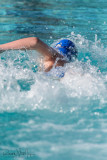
[{"x": 33, "y": 42}]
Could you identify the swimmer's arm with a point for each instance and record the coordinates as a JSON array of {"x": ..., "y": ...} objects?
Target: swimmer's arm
[{"x": 31, "y": 43}]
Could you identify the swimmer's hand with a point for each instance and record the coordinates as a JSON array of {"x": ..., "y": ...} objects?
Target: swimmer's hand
[{"x": 1, "y": 51}]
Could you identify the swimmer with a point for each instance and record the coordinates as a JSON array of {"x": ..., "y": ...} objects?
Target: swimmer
[{"x": 63, "y": 52}]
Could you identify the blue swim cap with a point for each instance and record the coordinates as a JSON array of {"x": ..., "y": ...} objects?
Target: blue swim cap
[{"x": 67, "y": 49}]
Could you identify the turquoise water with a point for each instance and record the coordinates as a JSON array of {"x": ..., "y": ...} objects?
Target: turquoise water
[{"x": 42, "y": 118}]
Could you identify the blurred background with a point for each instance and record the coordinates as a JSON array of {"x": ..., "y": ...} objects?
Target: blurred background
[{"x": 51, "y": 20}]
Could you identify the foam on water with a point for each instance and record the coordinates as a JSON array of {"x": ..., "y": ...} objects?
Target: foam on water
[{"x": 84, "y": 83}]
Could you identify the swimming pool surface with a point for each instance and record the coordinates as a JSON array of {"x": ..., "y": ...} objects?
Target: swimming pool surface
[{"x": 42, "y": 118}]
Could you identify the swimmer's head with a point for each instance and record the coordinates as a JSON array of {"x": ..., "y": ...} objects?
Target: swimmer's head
[{"x": 67, "y": 49}]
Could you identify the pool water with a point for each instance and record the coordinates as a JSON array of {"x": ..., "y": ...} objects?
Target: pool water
[{"x": 41, "y": 117}]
